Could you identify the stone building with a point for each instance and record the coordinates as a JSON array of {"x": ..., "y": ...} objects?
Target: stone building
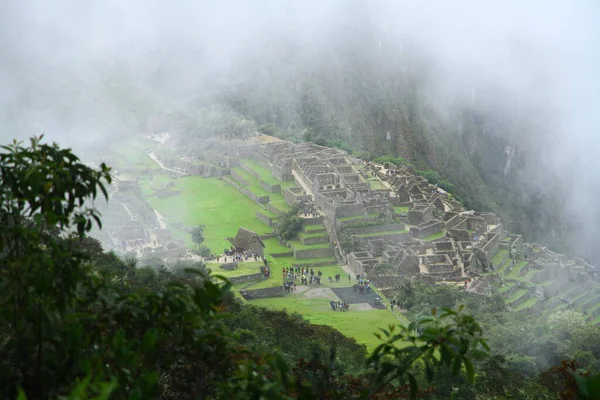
[{"x": 246, "y": 240}]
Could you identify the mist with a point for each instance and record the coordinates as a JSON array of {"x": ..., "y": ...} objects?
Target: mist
[{"x": 87, "y": 73}]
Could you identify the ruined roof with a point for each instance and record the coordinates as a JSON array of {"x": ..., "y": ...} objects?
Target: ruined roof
[{"x": 243, "y": 238}]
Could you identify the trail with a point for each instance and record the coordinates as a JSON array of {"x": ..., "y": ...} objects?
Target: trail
[
  {"x": 159, "y": 217},
  {"x": 160, "y": 164},
  {"x": 304, "y": 186}
]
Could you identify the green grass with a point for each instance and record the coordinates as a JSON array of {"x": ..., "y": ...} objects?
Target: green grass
[
  {"x": 434, "y": 236},
  {"x": 401, "y": 209},
  {"x": 376, "y": 184},
  {"x": 276, "y": 278},
  {"x": 499, "y": 256},
  {"x": 516, "y": 269},
  {"x": 264, "y": 174},
  {"x": 504, "y": 289},
  {"x": 253, "y": 186},
  {"x": 382, "y": 233},
  {"x": 360, "y": 325},
  {"x": 244, "y": 268},
  {"x": 526, "y": 304},
  {"x": 220, "y": 207},
  {"x": 272, "y": 246},
  {"x": 297, "y": 245},
  {"x": 516, "y": 295},
  {"x": 311, "y": 235}
]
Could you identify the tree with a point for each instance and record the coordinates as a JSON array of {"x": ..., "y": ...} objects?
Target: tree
[
  {"x": 198, "y": 235},
  {"x": 290, "y": 224}
]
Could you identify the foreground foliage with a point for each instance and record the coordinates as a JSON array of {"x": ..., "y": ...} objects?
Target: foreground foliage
[{"x": 77, "y": 322}]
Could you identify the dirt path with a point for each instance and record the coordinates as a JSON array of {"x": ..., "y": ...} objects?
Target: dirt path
[
  {"x": 160, "y": 164},
  {"x": 159, "y": 217},
  {"x": 303, "y": 185}
]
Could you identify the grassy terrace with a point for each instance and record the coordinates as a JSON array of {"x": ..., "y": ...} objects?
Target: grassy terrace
[
  {"x": 517, "y": 294},
  {"x": 359, "y": 325},
  {"x": 272, "y": 246},
  {"x": 213, "y": 203},
  {"x": 309, "y": 235},
  {"x": 514, "y": 273},
  {"x": 376, "y": 184},
  {"x": 254, "y": 186},
  {"x": 297, "y": 245},
  {"x": 499, "y": 256},
  {"x": 434, "y": 236},
  {"x": 276, "y": 278},
  {"x": 504, "y": 289},
  {"x": 526, "y": 304},
  {"x": 312, "y": 228},
  {"x": 244, "y": 268},
  {"x": 264, "y": 174},
  {"x": 401, "y": 209},
  {"x": 268, "y": 213},
  {"x": 372, "y": 234}
]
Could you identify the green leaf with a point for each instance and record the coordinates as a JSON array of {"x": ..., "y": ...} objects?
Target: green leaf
[
  {"x": 413, "y": 385},
  {"x": 456, "y": 365},
  {"x": 149, "y": 340},
  {"x": 470, "y": 370}
]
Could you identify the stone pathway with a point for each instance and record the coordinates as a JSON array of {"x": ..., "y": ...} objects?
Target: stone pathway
[
  {"x": 159, "y": 217},
  {"x": 160, "y": 164},
  {"x": 303, "y": 185}
]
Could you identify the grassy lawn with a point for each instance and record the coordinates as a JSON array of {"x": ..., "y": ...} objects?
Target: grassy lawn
[
  {"x": 434, "y": 236},
  {"x": 253, "y": 182},
  {"x": 360, "y": 325},
  {"x": 526, "y": 304},
  {"x": 213, "y": 203},
  {"x": 312, "y": 228},
  {"x": 376, "y": 184},
  {"x": 272, "y": 246},
  {"x": 504, "y": 289},
  {"x": 311, "y": 235},
  {"x": 516, "y": 295},
  {"x": 265, "y": 174},
  {"x": 244, "y": 268},
  {"x": 276, "y": 278},
  {"x": 382, "y": 233},
  {"x": 401, "y": 209},
  {"x": 516, "y": 269},
  {"x": 297, "y": 245},
  {"x": 499, "y": 256}
]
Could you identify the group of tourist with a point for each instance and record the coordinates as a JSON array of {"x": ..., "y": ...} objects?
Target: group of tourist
[
  {"x": 362, "y": 287},
  {"x": 239, "y": 257},
  {"x": 312, "y": 212},
  {"x": 289, "y": 287},
  {"x": 339, "y": 305}
]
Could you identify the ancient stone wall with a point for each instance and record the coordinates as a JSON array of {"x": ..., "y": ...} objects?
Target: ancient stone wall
[
  {"x": 258, "y": 199},
  {"x": 348, "y": 210},
  {"x": 245, "y": 278},
  {"x": 377, "y": 228},
  {"x": 263, "y": 293},
  {"x": 314, "y": 239},
  {"x": 264, "y": 218},
  {"x": 427, "y": 229},
  {"x": 313, "y": 253}
]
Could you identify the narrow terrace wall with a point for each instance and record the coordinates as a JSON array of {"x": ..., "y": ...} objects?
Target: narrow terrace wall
[
  {"x": 262, "y": 293},
  {"x": 246, "y": 278},
  {"x": 258, "y": 199},
  {"x": 313, "y": 253}
]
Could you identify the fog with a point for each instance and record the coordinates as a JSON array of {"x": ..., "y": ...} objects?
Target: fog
[{"x": 86, "y": 72}]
